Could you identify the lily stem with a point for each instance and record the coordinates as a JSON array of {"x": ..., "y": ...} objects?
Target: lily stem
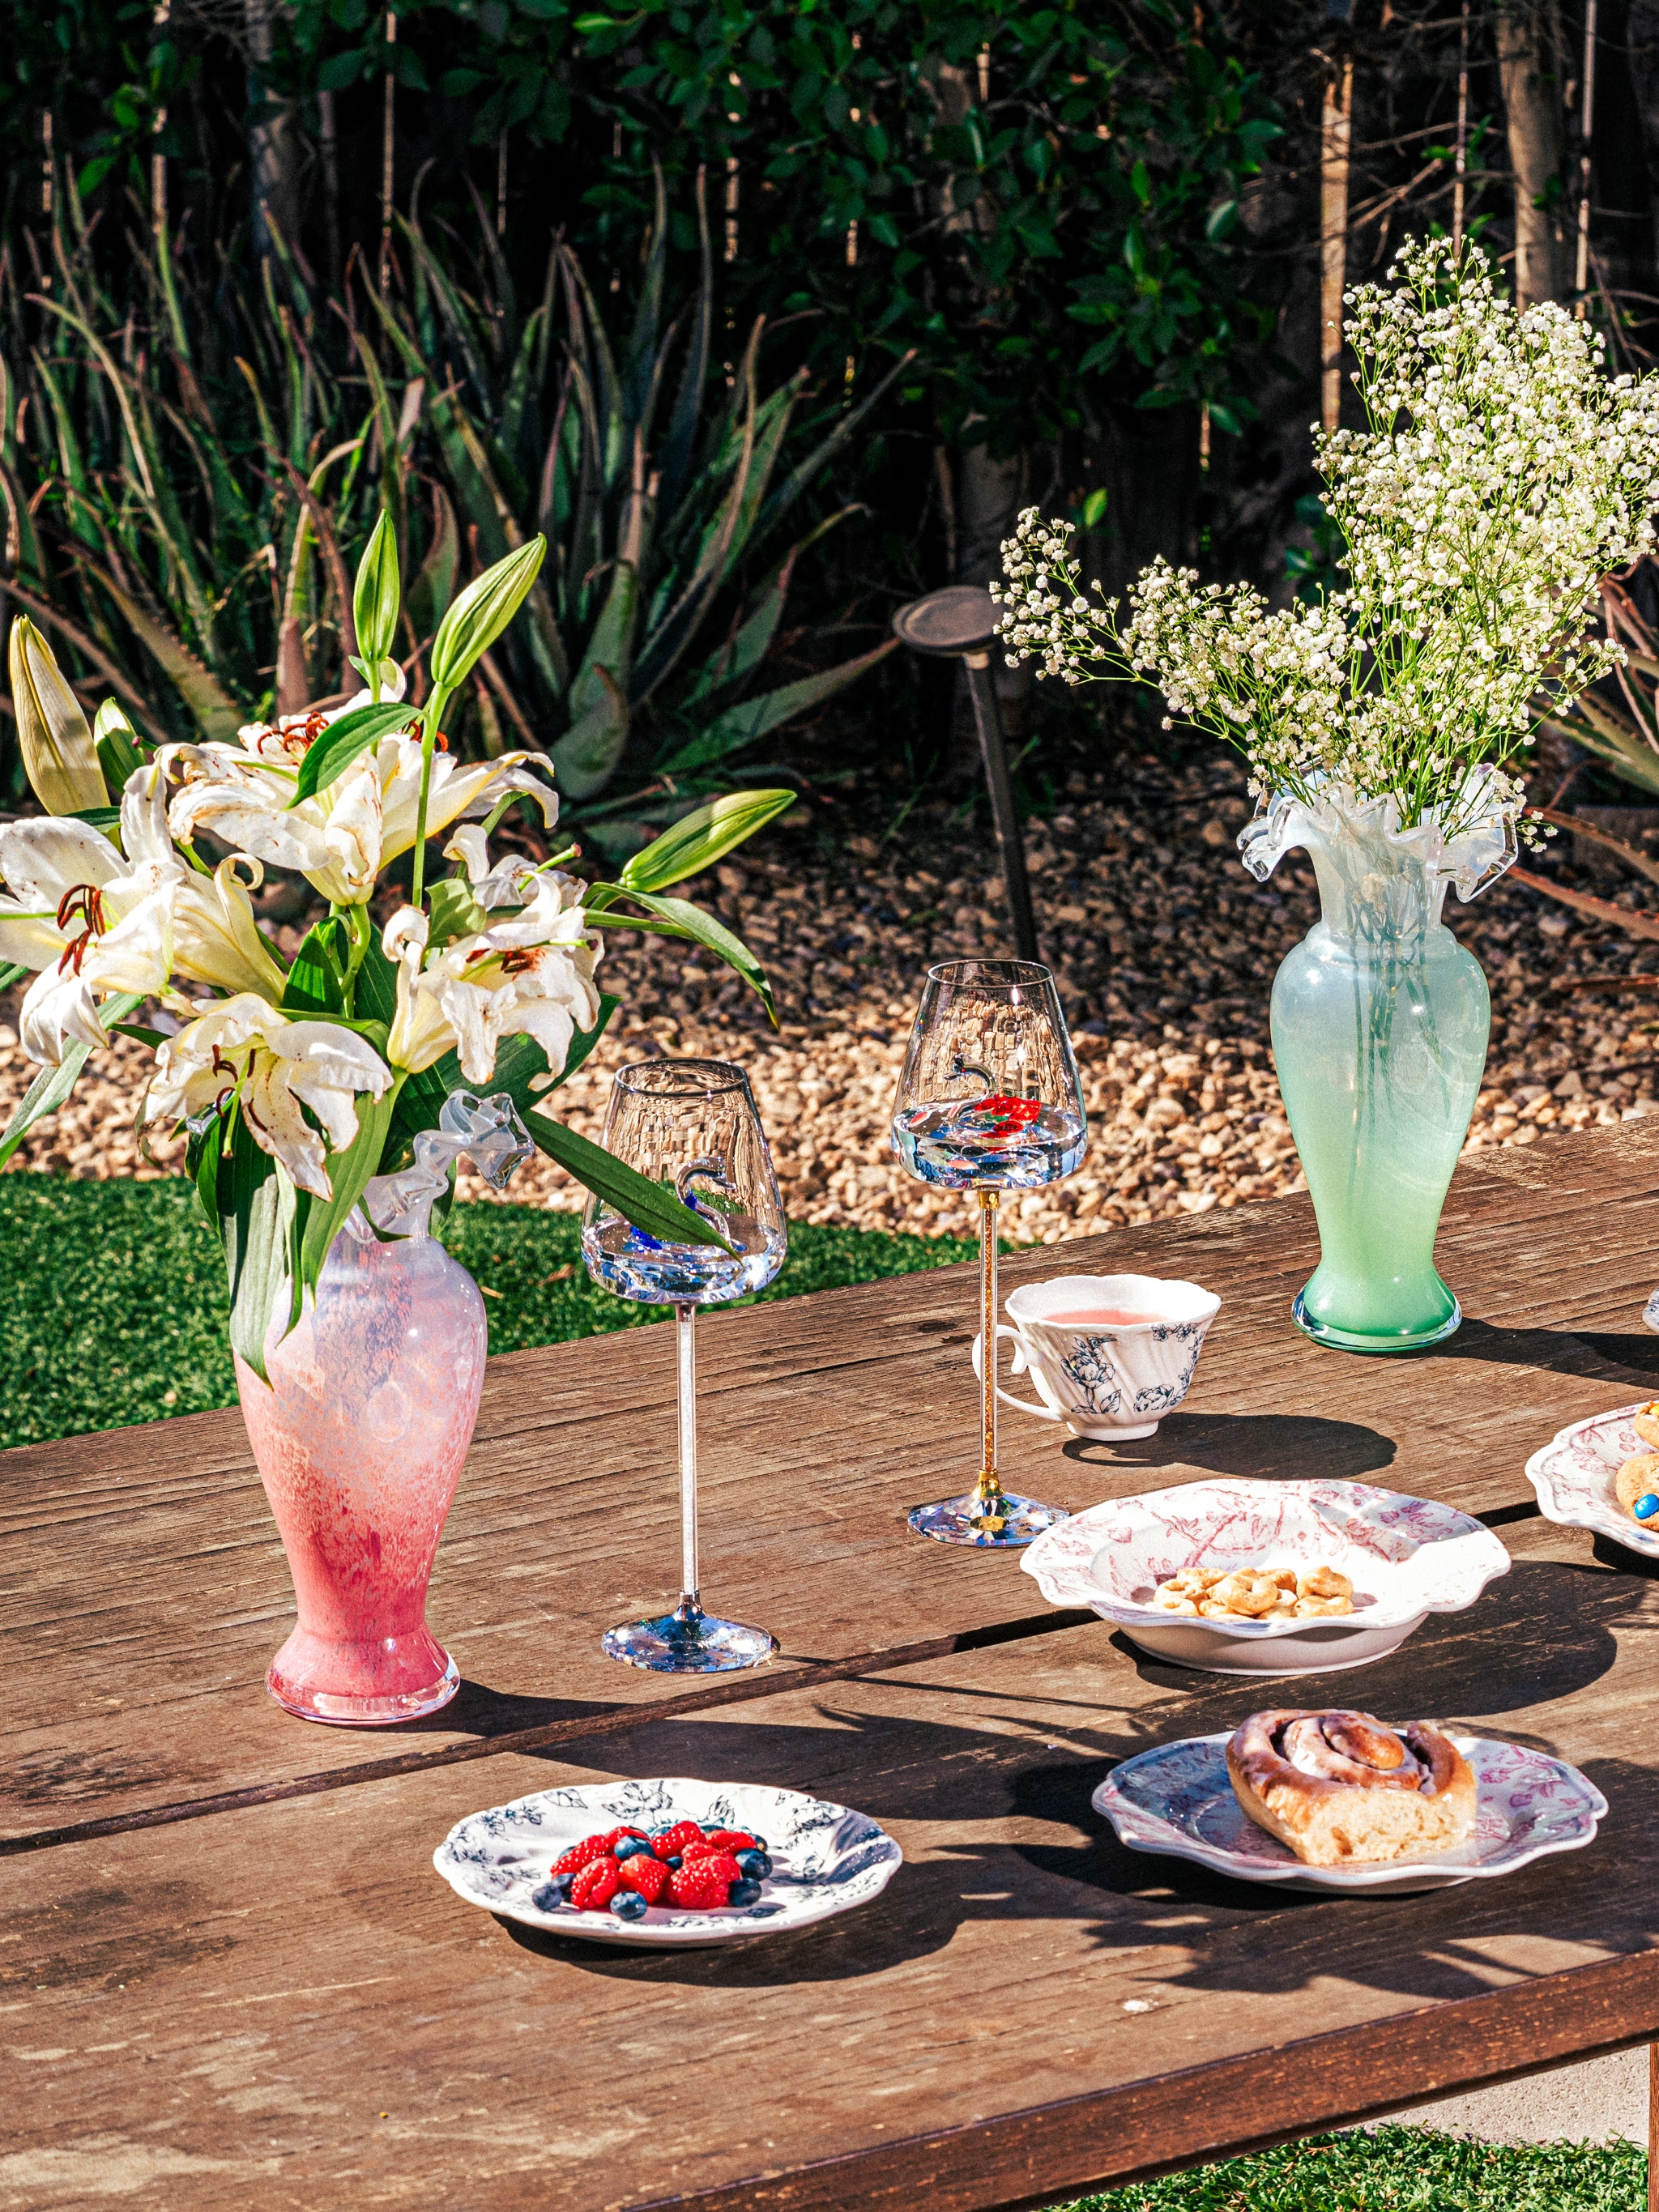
[{"x": 429, "y": 719}]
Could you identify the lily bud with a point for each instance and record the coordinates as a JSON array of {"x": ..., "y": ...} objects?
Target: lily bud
[
  {"x": 57, "y": 745},
  {"x": 377, "y": 595},
  {"x": 482, "y": 613}
]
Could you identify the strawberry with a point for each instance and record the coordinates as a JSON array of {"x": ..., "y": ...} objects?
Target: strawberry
[
  {"x": 721, "y": 1864},
  {"x": 675, "y": 1840},
  {"x": 699, "y": 1886},
  {"x": 647, "y": 1876},
  {"x": 729, "y": 1839},
  {"x": 596, "y": 1884}
]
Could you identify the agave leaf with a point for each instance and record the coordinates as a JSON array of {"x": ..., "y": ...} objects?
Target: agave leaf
[
  {"x": 799, "y": 477},
  {"x": 585, "y": 758},
  {"x": 391, "y": 474},
  {"x": 454, "y": 314},
  {"x": 434, "y": 587},
  {"x": 216, "y": 713},
  {"x": 681, "y": 442},
  {"x": 741, "y": 725},
  {"x": 644, "y": 356},
  {"x": 519, "y": 385}
]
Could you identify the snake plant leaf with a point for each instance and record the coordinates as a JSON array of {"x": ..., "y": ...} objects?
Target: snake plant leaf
[
  {"x": 650, "y": 1206},
  {"x": 57, "y": 745},
  {"x": 376, "y": 594},
  {"x": 740, "y": 726},
  {"x": 699, "y": 839},
  {"x": 53, "y": 1084},
  {"x": 481, "y": 614},
  {"x": 342, "y": 741}
]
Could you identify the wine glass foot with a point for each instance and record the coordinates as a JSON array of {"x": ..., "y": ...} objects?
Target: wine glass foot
[
  {"x": 688, "y": 1643},
  {"x": 974, "y": 1520}
]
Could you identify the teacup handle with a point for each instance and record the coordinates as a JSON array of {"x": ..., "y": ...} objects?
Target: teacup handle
[{"x": 1020, "y": 1405}]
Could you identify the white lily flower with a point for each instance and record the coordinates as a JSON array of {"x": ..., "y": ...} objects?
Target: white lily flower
[
  {"x": 128, "y": 923},
  {"x": 277, "y": 1067},
  {"x": 341, "y": 837},
  {"x": 530, "y": 975}
]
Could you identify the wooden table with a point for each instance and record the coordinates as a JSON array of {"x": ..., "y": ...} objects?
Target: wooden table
[{"x": 232, "y": 1978}]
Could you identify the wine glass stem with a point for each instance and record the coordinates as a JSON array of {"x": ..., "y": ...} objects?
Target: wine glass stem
[
  {"x": 990, "y": 1483},
  {"x": 685, "y": 1319}
]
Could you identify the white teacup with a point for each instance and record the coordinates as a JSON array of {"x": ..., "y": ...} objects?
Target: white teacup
[{"x": 1108, "y": 1379}]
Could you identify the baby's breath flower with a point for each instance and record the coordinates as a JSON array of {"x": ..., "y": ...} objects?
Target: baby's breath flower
[{"x": 1501, "y": 474}]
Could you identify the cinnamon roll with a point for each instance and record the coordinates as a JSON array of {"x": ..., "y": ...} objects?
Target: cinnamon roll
[{"x": 1340, "y": 1786}]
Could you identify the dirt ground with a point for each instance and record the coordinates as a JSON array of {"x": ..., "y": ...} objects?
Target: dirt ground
[{"x": 1164, "y": 950}]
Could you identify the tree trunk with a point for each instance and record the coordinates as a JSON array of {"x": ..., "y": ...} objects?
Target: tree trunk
[
  {"x": 273, "y": 143},
  {"x": 1532, "y": 107}
]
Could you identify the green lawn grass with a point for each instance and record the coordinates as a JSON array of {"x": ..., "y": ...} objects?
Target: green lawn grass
[
  {"x": 113, "y": 1297},
  {"x": 1400, "y": 2169}
]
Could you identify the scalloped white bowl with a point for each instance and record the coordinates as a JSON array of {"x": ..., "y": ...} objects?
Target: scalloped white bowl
[
  {"x": 1573, "y": 1475},
  {"x": 1406, "y": 1558}
]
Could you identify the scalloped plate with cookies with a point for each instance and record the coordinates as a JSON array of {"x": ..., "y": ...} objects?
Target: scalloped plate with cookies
[{"x": 1597, "y": 1473}]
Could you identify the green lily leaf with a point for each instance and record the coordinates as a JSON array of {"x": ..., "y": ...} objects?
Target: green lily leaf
[
  {"x": 649, "y": 1206},
  {"x": 317, "y": 981},
  {"x": 348, "y": 1172},
  {"x": 690, "y": 921},
  {"x": 454, "y": 912},
  {"x": 256, "y": 1206},
  {"x": 342, "y": 741}
]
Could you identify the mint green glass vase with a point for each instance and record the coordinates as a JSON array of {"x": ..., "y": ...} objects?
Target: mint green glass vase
[{"x": 1380, "y": 1021}]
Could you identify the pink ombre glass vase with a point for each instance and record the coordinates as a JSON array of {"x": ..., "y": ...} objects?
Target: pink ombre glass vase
[{"x": 360, "y": 1438}]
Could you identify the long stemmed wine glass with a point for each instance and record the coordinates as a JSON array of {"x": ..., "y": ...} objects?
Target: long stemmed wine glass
[
  {"x": 690, "y": 1125},
  {"x": 990, "y": 1101}
]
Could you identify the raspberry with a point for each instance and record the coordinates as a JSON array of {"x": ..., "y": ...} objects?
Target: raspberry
[
  {"x": 595, "y": 1885},
  {"x": 729, "y": 1840},
  {"x": 649, "y": 1876},
  {"x": 699, "y": 1886},
  {"x": 673, "y": 1841},
  {"x": 583, "y": 1854},
  {"x": 721, "y": 1864}
]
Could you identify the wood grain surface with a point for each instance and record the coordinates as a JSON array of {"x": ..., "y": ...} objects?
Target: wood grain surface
[
  {"x": 145, "y": 1588},
  {"x": 229, "y": 1975},
  {"x": 287, "y": 2003}
]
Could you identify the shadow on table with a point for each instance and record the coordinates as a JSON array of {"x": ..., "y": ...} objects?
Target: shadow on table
[
  {"x": 1296, "y": 1445},
  {"x": 960, "y": 1758},
  {"x": 1588, "y": 1353}
]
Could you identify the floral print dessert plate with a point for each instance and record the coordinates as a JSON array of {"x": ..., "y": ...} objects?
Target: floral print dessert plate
[
  {"x": 1177, "y": 1800},
  {"x": 825, "y": 1858},
  {"x": 1406, "y": 1557},
  {"x": 1574, "y": 1476}
]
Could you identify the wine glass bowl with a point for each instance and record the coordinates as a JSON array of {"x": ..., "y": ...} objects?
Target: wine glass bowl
[
  {"x": 690, "y": 1125},
  {"x": 990, "y": 1101}
]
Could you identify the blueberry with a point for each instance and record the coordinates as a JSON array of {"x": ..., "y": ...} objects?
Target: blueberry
[
  {"x": 548, "y": 1898},
  {"x": 1645, "y": 1508},
  {"x": 760, "y": 1840},
  {"x": 628, "y": 1905},
  {"x": 755, "y": 1865},
  {"x": 630, "y": 1848},
  {"x": 744, "y": 1893},
  {"x": 677, "y": 1861}
]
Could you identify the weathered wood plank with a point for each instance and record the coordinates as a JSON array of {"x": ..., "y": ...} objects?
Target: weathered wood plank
[
  {"x": 145, "y": 1588},
  {"x": 287, "y": 2003}
]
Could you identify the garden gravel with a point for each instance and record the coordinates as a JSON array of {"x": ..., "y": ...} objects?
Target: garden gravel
[{"x": 1164, "y": 950}]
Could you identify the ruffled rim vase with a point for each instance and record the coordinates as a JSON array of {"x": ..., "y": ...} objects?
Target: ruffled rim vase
[
  {"x": 1380, "y": 1023},
  {"x": 360, "y": 1438}
]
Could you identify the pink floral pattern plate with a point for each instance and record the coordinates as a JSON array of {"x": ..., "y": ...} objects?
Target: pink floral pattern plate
[
  {"x": 1406, "y": 1557},
  {"x": 1176, "y": 1800},
  {"x": 1574, "y": 1475}
]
